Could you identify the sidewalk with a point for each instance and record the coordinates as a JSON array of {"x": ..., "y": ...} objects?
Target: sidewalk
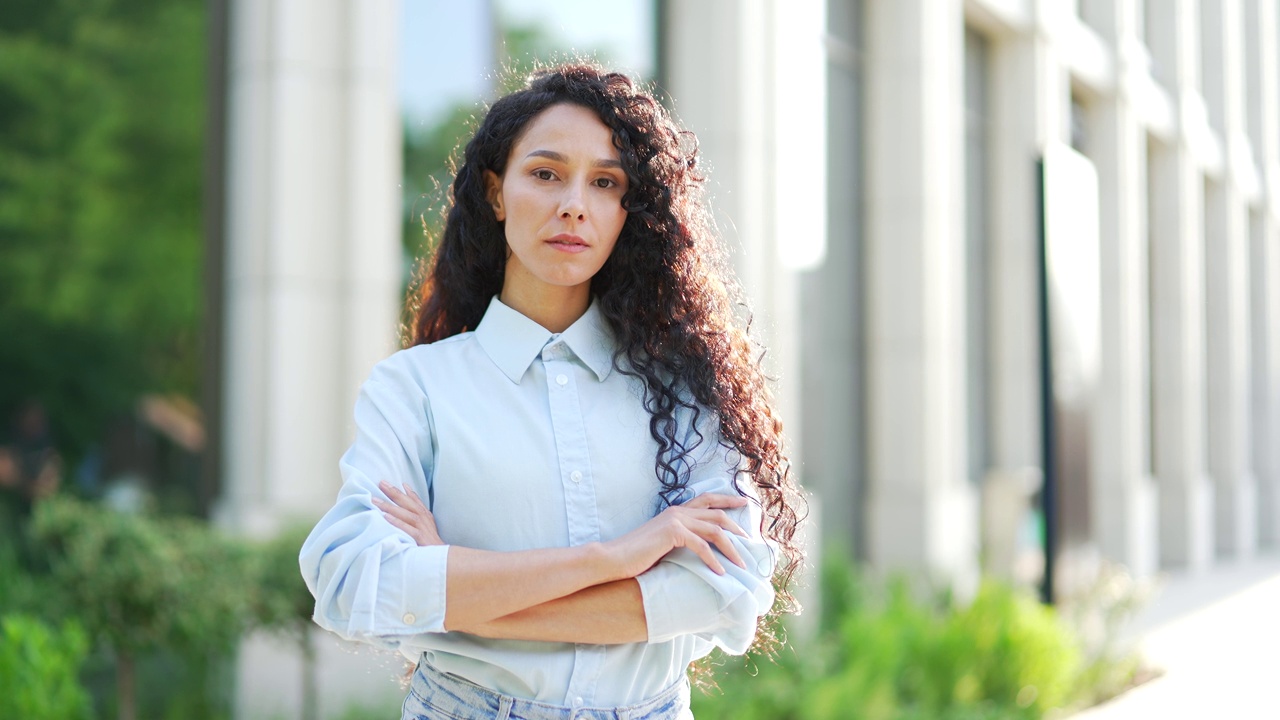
[{"x": 1216, "y": 637}]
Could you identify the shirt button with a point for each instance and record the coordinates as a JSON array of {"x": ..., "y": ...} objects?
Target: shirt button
[
  {"x": 409, "y": 618},
  {"x": 575, "y": 476},
  {"x": 562, "y": 379},
  {"x": 577, "y": 702}
]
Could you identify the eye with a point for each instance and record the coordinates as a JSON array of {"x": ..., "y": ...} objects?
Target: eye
[
  {"x": 605, "y": 182},
  {"x": 544, "y": 174}
]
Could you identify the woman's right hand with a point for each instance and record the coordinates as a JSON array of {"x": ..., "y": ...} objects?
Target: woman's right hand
[{"x": 698, "y": 525}]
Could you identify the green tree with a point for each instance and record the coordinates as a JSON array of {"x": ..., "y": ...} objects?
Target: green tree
[
  {"x": 140, "y": 584},
  {"x": 101, "y": 142}
]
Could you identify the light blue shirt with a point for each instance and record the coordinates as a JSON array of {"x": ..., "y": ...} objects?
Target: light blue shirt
[{"x": 518, "y": 439}]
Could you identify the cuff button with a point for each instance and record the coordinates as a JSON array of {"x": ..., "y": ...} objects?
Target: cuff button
[{"x": 409, "y": 618}]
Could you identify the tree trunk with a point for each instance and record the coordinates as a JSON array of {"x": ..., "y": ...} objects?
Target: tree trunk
[
  {"x": 310, "y": 701},
  {"x": 126, "y": 686}
]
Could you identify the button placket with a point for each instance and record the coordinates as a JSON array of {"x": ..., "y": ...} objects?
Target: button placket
[{"x": 569, "y": 429}]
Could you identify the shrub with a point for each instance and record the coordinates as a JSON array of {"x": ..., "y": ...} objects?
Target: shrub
[
  {"x": 140, "y": 584},
  {"x": 886, "y": 654},
  {"x": 40, "y": 668}
]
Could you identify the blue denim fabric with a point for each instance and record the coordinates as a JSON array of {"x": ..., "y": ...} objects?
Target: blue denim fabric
[{"x": 434, "y": 695}]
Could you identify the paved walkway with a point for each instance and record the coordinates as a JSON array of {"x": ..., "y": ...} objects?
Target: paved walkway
[{"x": 1216, "y": 637}]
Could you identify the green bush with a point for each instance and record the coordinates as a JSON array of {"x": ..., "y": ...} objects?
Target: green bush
[
  {"x": 140, "y": 584},
  {"x": 39, "y": 670},
  {"x": 886, "y": 654}
]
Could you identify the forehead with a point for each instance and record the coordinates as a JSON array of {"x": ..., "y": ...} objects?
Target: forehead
[{"x": 570, "y": 129}]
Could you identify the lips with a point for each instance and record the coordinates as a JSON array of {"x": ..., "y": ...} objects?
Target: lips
[{"x": 568, "y": 243}]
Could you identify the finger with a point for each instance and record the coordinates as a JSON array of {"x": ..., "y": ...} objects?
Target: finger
[
  {"x": 714, "y": 534},
  {"x": 407, "y": 528},
  {"x": 418, "y": 501},
  {"x": 404, "y": 514},
  {"x": 702, "y": 549},
  {"x": 727, "y": 523},
  {"x": 393, "y": 492},
  {"x": 718, "y": 517},
  {"x": 718, "y": 538}
]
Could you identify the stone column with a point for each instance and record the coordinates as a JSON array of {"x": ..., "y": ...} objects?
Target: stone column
[
  {"x": 722, "y": 88},
  {"x": 1176, "y": 197},
  {"x": 313, "y": 253},
  {"x": 922, "y": 509},
  {"x": 1262, "y": 22},
  {"x": 1123, "y": 502},
  {"x": 313, "y": 278},
  {"x": 833, "y": 367},
  {"x": 1227, "y": 284}
]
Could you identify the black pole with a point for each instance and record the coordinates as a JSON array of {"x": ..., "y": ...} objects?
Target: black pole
[{"x": 1049, "y": 488}]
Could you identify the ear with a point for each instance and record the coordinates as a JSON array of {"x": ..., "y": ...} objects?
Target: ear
[{"x": 493, "y": 193}]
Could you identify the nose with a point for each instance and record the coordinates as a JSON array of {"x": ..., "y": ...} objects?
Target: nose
[{"x": 572, "y": 206}]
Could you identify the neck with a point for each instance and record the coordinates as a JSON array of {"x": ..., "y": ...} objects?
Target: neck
[{"x": 554, "y": 308}]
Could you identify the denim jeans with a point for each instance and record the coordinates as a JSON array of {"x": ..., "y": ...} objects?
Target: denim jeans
[{"x": 434, "y": 695}]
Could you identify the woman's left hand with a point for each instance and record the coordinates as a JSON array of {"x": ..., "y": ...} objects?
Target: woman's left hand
[{"x": 407, "y": 512}]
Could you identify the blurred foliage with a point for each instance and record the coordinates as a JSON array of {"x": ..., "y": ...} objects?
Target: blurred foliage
[
  {"x": 102, "y": 108},
  {"x": 140, "y": 584},
  {"x": 1101, "y": 613},
  {"x": 40, "y": 668},
  {"x": 883, "y": 653}
]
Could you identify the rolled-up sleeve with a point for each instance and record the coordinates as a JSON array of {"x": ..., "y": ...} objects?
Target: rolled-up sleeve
[
  {"x": 371, "y": 581},
  {"x": 683, "y": 596}
]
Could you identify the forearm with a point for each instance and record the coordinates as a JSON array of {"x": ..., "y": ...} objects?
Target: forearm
[
  {"x": 483, "y": 585},
  {"x": 608, "y": 614}
]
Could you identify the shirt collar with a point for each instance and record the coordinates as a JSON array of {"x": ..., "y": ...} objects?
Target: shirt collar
[{"x": 513, "y": 341}]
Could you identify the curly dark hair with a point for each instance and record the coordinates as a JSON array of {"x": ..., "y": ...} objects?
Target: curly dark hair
[{"x": 666, "y": 292}]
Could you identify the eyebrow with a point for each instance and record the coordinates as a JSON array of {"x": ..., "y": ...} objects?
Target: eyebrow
[{"x": 553, "y": 155}]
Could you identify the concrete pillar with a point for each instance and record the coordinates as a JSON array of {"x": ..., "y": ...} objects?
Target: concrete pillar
[
  {"x": 722, "y": 86},
  {"x": 922, "y": 509},
  {"x": 312, "y": 289},
  {"x": 832, "y": 314},
  {"x": 1176, "y": 228},
  {"x": 1123, "y": 507},
  {"x": 1262, "y": 22},
  {"x": 313, "y": 265},
  {"x": 1227, "y": 284}
]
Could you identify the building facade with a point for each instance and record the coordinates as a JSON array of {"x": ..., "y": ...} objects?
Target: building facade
[{"x": 882, "y": 171}]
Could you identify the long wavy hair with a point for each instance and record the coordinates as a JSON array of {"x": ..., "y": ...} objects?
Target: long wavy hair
[{"x": 666, "y": 292}]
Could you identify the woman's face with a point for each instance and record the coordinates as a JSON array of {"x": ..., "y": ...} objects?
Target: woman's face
[{"x": 560, "y": 200}]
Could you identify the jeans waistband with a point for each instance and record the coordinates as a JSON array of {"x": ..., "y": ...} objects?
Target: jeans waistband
[{"x": 452, "y": 698}]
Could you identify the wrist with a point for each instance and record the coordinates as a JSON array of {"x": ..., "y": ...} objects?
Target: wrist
[{"x": 605, "y": 562}]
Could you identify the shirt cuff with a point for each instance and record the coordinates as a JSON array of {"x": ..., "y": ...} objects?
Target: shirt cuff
[
  {"x": 420, "y": 606},
  {"x": 676, "y": 602}
]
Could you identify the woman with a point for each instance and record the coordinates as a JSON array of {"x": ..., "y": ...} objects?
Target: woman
[{"x": 572, "y": 485}]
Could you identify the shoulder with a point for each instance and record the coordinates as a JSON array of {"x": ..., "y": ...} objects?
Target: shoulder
[{"x": 411, "y": 367}]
